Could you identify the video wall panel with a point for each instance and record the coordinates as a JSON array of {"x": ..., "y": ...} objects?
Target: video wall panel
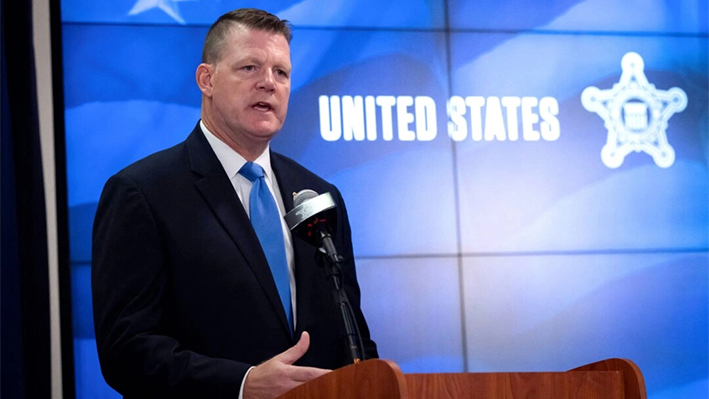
[
  {"x": 646, "y": 16},
  {"x": 358, "y": 123},
  {"x": 418, "y": 301},
  {"x": 555, "y": 312},
  {"x": 424, "y": 14},
  {"x": 530, "y": 154},
  {"x": 492, "y": 220}
]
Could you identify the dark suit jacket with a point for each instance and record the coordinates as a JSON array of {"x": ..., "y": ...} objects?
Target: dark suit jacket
[{"x": 184, "y": 301}]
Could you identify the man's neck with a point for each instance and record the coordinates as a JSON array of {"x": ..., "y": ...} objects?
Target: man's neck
[{"x": 250, "y": 152}]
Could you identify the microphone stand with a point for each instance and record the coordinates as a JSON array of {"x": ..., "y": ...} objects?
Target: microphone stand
[
  {"x": 308, "y": 219},
  {"x": 333, "y": 268}
]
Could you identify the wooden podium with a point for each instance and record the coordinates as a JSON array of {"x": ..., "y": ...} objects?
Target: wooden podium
[{"x": 375, "y": 379}]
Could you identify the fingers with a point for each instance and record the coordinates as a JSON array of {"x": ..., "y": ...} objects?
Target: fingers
[
  {"x": 292, "y": 354},
  {"x": 278, "y": 375},
  {"x": 305, "y": 374}
]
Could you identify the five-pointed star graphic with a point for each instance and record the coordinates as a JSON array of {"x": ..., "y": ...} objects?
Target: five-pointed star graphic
[
  {"x": 635, "y": 113},
  {"x": 168, "y": 6}
]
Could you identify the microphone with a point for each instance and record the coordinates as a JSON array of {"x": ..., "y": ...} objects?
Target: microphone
[{"x": 312, "y": 217}]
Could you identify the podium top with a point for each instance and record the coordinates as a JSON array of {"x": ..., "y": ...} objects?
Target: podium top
[{"x": 382, "y": 379}]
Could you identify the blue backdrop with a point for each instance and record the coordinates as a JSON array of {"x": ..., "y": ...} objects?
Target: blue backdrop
[{"x": 491, "y": 231}]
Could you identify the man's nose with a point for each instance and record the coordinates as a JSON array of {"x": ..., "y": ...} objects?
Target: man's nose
[{"x": 267, "y": 81}]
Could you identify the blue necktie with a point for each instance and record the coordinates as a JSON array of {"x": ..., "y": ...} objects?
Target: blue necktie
[{"x": 266, "y": 221}]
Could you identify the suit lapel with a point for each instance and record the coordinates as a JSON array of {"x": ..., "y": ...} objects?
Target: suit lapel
[{"x": 218, "y": 192}]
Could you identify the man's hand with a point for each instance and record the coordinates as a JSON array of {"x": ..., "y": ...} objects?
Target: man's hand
[{"x": 278, "y": 375}]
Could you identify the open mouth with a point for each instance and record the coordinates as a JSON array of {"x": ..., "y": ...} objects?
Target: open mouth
[{"x": 262, "y": 106}]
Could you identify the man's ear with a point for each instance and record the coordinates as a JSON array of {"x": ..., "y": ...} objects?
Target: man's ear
[{"x": 204, "y": 78}]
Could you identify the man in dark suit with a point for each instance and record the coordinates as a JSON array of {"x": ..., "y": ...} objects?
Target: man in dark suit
[{"x": 186, "y": 303}]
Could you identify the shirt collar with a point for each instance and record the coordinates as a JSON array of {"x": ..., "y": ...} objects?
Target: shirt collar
[{"x": 231, "y": 160}]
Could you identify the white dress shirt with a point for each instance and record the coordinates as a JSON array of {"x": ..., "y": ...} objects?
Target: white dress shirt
[{"x": 232, "y": 162}]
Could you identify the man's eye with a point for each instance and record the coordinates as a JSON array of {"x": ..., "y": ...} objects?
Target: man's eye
[
  {"x": 249, "y": 68},
  {"x": 282, "y": 73}
]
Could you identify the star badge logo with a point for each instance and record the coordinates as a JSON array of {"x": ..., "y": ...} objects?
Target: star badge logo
[
  {"x": 635, "y": 114},
  {"x": 168, "y": 6}
]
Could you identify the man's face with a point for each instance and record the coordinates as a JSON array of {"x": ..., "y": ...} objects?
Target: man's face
[{"x": 250, "y": 87}]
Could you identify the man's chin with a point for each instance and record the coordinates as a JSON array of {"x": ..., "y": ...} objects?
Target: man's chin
[{"x": 266, "y": 130}]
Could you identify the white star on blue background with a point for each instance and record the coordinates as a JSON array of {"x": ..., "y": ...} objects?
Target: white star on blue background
[{"x": 168, "y": 6}]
